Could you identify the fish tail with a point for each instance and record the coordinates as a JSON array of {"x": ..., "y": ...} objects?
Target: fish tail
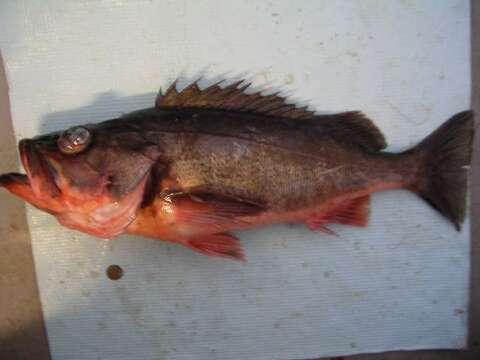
[{"x": 445, "y": 159}]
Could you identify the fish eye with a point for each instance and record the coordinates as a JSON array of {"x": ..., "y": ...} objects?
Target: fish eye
[{"x": 74, "y": 140}]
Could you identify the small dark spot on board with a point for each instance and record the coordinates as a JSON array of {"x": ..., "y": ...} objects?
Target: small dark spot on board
[
  {"x": 172, "y": 324},
  {"x": 102, "y": 324},
  {"x": 459, "y": 312},
  {"x": 150, "y": 277},
  {"x": 114, "y": 272},
  {"x": 274, "y": 14},
  {"x": 14, "y": 227},
  {"x": 276, "y": 325},
  {"x": 62, "y": 282},
  {"x": 326, "y": 274},
  {"x": 353, "y": 345}
]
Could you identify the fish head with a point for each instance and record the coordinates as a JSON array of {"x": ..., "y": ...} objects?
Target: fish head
[{"x": 92, "y": 178}]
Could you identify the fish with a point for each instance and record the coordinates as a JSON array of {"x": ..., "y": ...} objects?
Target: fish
[{"x": 202, "y": 163}]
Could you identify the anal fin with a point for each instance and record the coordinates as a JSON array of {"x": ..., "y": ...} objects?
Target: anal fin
[{"x": 349, "y": 212}]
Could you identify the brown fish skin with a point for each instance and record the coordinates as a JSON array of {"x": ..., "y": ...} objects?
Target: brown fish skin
[
  {"x": 245, "y": 156},
  {"x": 203, "y": 163},
  {"x": 298, "y": 180}
]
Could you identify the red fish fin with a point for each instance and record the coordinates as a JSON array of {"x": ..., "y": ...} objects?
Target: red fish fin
[
  {"x": 210, "y": 209},
  {"x": 354, "y": 212},
  {"x": 351, "y": 212},
  {"x": 315, "y": 226},
  {"x": 222, "y": 245}
]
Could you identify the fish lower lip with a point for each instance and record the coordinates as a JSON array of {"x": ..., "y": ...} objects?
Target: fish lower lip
[
  {"x": 38, "y": 173},
  {"x": 25, "y": 147},
  {"x": 7, "y": 179}
]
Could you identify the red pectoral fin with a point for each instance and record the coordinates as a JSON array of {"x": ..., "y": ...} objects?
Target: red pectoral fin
[
  {"x": 209, "y": 209},
  {"x": 223, "y": 245},
  {"x": 350, "y": 212}
]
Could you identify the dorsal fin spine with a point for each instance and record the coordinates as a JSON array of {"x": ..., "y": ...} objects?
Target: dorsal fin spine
[{"x": 352, "y": 127}]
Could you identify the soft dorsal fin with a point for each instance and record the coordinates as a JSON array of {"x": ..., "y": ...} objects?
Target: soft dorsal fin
[
  {"x": 231, "y": 97},
  {"x": 353, "y": 126}
]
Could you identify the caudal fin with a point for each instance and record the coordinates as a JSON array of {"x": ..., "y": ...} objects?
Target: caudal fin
[{"x": 446, "y": 159}]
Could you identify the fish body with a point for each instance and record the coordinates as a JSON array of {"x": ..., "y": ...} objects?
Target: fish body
[{"x": 203, "y": 163}]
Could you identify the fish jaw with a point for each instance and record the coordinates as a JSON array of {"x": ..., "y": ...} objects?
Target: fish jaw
[
  {"x": 109, "y": 219},
  {"x": 37, "y": 186},
  {"x": 39, "y": 172},
  {"x": 19, "y": 185}
]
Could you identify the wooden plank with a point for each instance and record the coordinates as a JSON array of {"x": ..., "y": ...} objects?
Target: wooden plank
[{"x": 22, "y": 330}]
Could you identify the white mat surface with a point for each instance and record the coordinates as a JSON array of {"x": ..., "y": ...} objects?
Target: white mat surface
[{"x": 400, "y": 284}]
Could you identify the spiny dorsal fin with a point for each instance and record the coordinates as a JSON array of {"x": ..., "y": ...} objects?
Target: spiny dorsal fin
[
  {"x": 352, "y": 126},
  {"x": 231, "y": 97}
]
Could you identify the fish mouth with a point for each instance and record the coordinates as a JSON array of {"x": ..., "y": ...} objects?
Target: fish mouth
[
  {"x": 13, "y": 178},
  {"x": 39, "y": 175}
]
